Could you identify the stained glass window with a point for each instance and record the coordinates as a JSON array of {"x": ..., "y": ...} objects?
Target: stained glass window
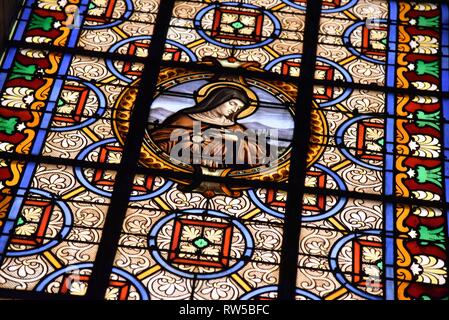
[{"x": 310, "y": 158}]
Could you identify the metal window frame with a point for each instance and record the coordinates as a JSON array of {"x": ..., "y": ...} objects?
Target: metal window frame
[{"x": 126, "y": 170}]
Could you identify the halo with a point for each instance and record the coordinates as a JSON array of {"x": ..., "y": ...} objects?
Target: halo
[{"x": 204, "y": 91}]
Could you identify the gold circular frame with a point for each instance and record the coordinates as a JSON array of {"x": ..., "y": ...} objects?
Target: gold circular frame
[{"x": 151, "y": 156}]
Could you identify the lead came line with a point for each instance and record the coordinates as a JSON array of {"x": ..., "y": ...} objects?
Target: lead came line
[
  {"x": 298, "y": 162},
  {"x": 99, "y": 281}
]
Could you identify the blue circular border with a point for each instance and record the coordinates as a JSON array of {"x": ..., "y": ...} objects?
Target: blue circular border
[
  {"x": 156, "y": 255},
  {"x": 341, "y": 146},
  {"x": 100, "y": 110},
  {"x": 113, "y": 49},
  {"x": 140, "y": 288},
  {"x": 333, "y": 262},
  {"x": 342, "y": 70},
  {"x": 334, "y": 210},
  {"x": 202, "y": 33},
  {"x": 267, "y": 289},
  {"x": 352, "y": 49},
  {"x": 255, "y": 199},
  {"x": 52, "y": 276},
  {"x": 340, "y": 203},
  {"x": 67, "y": 226},
  {"x": 300, "y": 7},
  {"x": 129, "y": 11},
  {"x": 80, "y": 175}
]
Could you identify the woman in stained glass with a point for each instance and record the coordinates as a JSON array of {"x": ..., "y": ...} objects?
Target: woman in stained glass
[{"x": 211, "y": 127}]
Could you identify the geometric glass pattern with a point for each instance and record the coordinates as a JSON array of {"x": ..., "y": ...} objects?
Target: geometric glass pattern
[{"x": 94, "y": 204}]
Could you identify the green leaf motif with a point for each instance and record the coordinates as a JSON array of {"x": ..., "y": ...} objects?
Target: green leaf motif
[
  {"x": 201, "y": 243},
  {"x": 433, "y": 22},
  {"x": 237, "y": 25},
  {"x": 429, "y": 175},
  {"x": 21, "y": 221},
  {"x": 434, "y": 236},
  {"x": 428, "y": 119},
  {"x": 21, "y": 71},
  {"x": 43, "y": 23},
  {"x": 8, "y": 126},
  {"x": 430, "y": 68}
]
